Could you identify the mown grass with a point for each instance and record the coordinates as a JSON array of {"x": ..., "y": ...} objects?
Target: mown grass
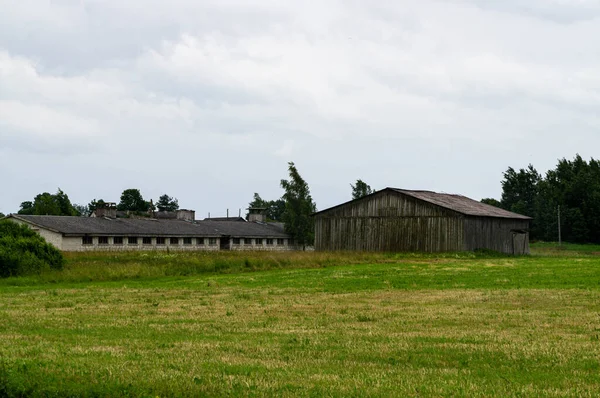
[{"x": 305, "y": 324}]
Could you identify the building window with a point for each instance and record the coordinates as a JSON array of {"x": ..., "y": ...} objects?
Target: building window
[
  {"x": 200, "y": 241},
  {"x": 87, "y": 240},
  {"x": 174, "y": 241},
  {"x": 160, "y": 241},
  {"x": 132, "y": 240},
  {"x": 146, "y": 240},
  {"x": 280, "y": 241},
  {"x": 212, "y": 241},
  {"x": 258, "y": 241},
  {"x": 103, "y": 240},
  {"x": 187, "y": 241},
  {"x": 118, "y": 240},
  {"x": 236, "y": 241},
  {"x": 269, "y": 242},
  {"x": 247, "y": 241}
]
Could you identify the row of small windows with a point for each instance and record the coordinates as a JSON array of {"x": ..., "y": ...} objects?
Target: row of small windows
[
  {"x": 258, "y": 241},
  {"x": 146, "y": 240}
]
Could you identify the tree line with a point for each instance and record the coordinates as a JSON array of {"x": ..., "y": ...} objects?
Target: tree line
[
  {"x": 59, "y": 204},
  {"x": 573, "y": 187}
]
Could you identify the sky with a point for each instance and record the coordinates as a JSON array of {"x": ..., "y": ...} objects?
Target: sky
[{"x": 208, "y": 100}]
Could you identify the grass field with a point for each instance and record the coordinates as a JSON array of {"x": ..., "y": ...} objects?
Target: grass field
[{"x": 308, "y": 324}]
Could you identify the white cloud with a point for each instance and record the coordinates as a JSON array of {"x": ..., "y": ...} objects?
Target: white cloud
[{"x": 216, "y": 96}]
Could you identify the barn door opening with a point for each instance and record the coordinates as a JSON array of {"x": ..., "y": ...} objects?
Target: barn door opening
[{"x": 519, "y": 241}]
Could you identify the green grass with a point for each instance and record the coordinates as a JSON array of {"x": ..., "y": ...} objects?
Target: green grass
[{"x": 305, "y": 324}]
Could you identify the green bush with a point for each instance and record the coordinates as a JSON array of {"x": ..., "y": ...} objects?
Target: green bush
[{"x": 22, "y": 251}]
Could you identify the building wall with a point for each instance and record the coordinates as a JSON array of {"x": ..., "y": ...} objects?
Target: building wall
[
  {"x": 502, "y": 235},
  {"x": 75, "y": 243},
  {"x": 389, "y": 222},
  {"x": 54, "y": 238},
  {"x": 262, "y": 247}
]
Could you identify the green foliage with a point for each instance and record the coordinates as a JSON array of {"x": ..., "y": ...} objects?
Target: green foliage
[
  {"x": 23, "y": 251},
  {"x": 94, "y": 204},
  {"x": 361, "y": 189},
  {"x": 492, "y": 202},
  {"x": 274, "y": 208},
  {"x": 132, "y": 200},
  {"x": 57, "y": 204},
  {"x": 298, "y": 208},
  {"x": 167, "y": 203},
  {"x": 2, "y": 214},
  {"x": 573, "y": 185},
  {"x": 81, "y": 210}
]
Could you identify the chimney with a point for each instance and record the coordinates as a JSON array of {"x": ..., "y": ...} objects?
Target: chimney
[
  {"x": 186, "y": 215},
  {"x": 109, "y": 210},
  {"x": 257, "y": 214}
]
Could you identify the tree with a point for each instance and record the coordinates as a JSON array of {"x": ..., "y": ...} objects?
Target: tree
[
  {"x": 572, "y": 185},
  {"x": 132, "y": 200},
  {"x": 298, "y": 208},
  {"x": 492, "y": 202},
  {"x": 2, "y": 215},
  {"x": 26, "y": 208},
  {"x": 167, "y": 203},
  {"x": 82, "y": 210},
  {"x": 361, "y": 189},
  {"x": 46, "y": 204},
  {"x": 64, "y": 204},
  {"x": 95, "y": 204},
  {"x": 274, "y": 208},
  {"x": 57, "y": 204}
]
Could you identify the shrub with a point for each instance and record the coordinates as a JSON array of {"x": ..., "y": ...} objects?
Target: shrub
[{"x": 22, "y": 251}]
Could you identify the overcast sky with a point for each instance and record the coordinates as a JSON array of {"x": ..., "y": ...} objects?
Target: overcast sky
[{"x": 208, "y": 100}]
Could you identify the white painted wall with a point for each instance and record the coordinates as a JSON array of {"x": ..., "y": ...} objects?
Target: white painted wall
[
  {"x": 76, "y": 244},
  {"x": 54, "y": 238}
]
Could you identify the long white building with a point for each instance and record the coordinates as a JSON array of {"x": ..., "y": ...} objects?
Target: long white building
[{"x": 103, "y": 232}]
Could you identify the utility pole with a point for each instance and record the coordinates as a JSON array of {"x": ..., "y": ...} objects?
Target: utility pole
[{"x": 559, "y": 237}]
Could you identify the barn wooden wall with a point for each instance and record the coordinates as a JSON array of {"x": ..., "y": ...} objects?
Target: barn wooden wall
[
  {"x": 496, "y": 234},
  {"x": 389, "y": 222}
]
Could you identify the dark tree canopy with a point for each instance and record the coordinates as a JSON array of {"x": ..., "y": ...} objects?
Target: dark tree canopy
[
  {"x": 2, "y": 214},
  {"x": 298, "y": 208},
  {"x": 95, "y": 204},
  {"x": 81, "y": 210},
  {"x": 57, "y": 204},
  {"x": 26, "y": 208},
  {"x": 572, "y": 185},
  {"x": 132, "y": 200},
  {"x": 361, "y": 189},
  {"x": 274, "y": 208},
  {"x": 167, "y": 203},
  {"x": 491, "y": 201}
]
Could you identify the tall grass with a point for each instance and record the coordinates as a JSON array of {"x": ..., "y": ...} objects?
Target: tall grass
[
  {"x": 114, "y": 266},
  {"x": 103, "y": 266}
]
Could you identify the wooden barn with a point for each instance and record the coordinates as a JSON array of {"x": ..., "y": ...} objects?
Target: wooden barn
[{"x": 401, "y": 220}]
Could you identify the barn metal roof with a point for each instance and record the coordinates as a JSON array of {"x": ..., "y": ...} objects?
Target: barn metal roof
[
  {"x": 69, "y": 225},
  {"x": 458, "y": 203}
]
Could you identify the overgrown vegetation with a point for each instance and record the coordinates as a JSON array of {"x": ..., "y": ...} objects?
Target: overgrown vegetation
[
  {"x": 323, "y": 324},
  {"x": 23, "y": 252}
]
